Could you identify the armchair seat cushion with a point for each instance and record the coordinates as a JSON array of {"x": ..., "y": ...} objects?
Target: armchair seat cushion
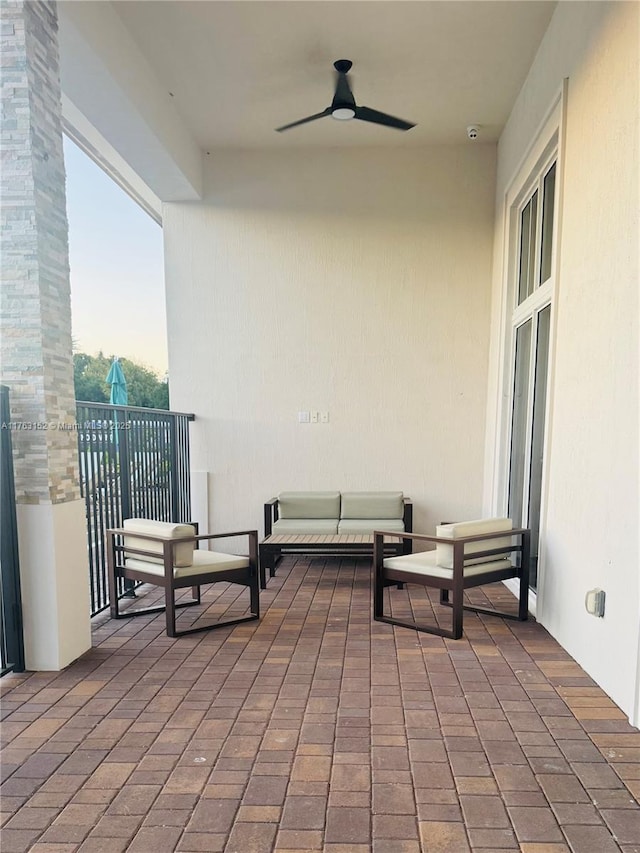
[
  {"x": 368, "y": 525},
  {"x": 305, "y": 525},
  {"x": 425, "y": 563},
  {"x": 204, "y": 562}
]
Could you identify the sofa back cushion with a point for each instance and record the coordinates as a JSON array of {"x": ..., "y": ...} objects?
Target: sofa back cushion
[
  {"x": 309, "y": 504},
  {"x": 182, "y": 553},
  {"x": 378, "y": 505},
  {"x": 444, "y": 553}
]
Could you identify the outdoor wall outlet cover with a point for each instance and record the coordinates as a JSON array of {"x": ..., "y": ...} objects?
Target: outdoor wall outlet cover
[{"x": 594, "y": 602}]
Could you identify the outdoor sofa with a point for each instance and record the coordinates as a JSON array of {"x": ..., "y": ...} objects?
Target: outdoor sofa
[{"x": 331, "y": 522}]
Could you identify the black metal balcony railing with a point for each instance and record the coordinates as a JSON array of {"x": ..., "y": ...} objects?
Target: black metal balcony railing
[
  {"x": 134, "y": 462},
  {"x": 11, "y": 641}
]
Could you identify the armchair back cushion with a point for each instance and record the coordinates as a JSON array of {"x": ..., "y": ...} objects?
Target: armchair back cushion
[
  {"x": 444, "y": 553},
  {"x": 309, "y": 505},
  {"x": 182, "y": 554}
]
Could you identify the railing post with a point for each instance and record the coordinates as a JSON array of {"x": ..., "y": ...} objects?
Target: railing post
[
  {"x": 11, "y": 636},
  {"x": 173, "y": 472},
  {"x": 122, "y": 443}
]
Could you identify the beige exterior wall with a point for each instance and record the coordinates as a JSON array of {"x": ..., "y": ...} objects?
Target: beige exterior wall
[
  {"x": 590, "y": 527},
  {"x": 356, "y": 283}
]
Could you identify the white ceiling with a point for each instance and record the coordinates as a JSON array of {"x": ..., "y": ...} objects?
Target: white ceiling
[{"x": 237, "y": 69}]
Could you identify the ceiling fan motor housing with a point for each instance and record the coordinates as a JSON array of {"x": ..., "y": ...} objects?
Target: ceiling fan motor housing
[{"x": 343, "y": 113}]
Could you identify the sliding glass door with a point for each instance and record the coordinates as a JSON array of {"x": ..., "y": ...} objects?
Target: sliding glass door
[
  {"x": 531, "y": 325},
  {"x": 528, "y": 427}
]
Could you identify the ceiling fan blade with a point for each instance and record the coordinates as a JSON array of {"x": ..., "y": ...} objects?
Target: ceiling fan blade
[
  {"x": 367, "y": 114},
  {"x": 324, "y": 113}
]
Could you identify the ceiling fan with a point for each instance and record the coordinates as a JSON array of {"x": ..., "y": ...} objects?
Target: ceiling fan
[{"x": 343, "y": 106}]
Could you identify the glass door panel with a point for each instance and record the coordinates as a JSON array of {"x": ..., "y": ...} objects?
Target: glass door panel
[
  {"x": 549, "y": 192},
  {"x": 537, "y": 437},
  {"x": 528, "y": 253},
  {"x": 519, "y": 422}
]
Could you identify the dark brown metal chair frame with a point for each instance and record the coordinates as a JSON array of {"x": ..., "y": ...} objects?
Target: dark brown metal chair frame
[
  {"x": 457, "y": 583},
  {"x": 117, "y": 552}
]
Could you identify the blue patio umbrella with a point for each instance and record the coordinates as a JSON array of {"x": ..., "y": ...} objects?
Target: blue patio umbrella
[
  {"x": 115, "y": 378},
  {"x": 119, "y": 395}
]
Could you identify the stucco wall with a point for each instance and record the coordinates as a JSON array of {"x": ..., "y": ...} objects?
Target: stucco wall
[
  {"x": 590, "y": 534},
  {"x": 356, "y": 283},
  {"x": 112, "y": 96}
]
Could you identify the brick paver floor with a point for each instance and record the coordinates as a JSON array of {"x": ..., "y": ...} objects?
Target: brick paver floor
[{"x": 317, "y": 729}]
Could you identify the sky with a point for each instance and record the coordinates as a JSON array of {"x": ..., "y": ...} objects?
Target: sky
[{"x": 117, "y": 277}]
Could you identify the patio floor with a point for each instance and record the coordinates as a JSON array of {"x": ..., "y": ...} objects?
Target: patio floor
[{"x": 317, "y": 729}]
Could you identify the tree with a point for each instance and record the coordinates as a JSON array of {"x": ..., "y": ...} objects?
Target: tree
[{"x": 143, "y": 386}]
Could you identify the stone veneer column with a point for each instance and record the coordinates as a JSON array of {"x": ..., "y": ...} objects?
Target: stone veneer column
[{"x": 35, "y": 340}]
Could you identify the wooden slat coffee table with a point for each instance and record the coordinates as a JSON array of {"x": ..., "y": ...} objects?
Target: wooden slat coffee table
[{"x": 356, "y": 544}]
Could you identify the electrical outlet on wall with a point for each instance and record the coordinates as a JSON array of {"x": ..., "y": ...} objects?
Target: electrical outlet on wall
[
  {"x": 303, "y": 417},
  {"x": 324, "y": 417},
  {"x": 314, "y": 417}
]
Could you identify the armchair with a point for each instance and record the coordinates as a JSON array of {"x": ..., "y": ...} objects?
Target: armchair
[
  {"x": 168, "y": 555},
  {"x": 467, "y": 554}
]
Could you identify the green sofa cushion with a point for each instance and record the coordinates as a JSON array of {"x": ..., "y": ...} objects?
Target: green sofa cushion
[
  {"x": 305, "y": 525},
  {"x": 309, "y": 505},
  {"x": 373, "y": 505},
  {"x": 368, "y": 525}
]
